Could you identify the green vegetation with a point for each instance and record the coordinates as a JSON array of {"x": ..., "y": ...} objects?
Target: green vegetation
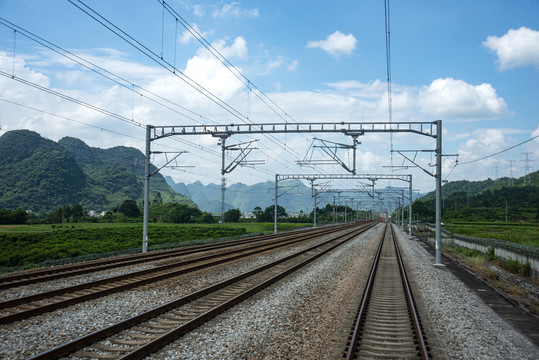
[
  {"x": 504, "y": 209},
  {"x": 71, "y": 240},
  {"x": 490, "y": 200},
  {"x": 40, "y": 174},
  {"x": 477, "y": 260},
  {"x": 521, "y": 233}
]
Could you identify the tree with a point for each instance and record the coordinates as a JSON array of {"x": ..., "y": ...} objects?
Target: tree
[
  {"x": 269, "y": 213},
  {"x": 55, "y": 217},
  {"x": 258, "y": 213},
  {"x": 129, "y": 208},
  {"x": 77, "y": 212},
  {"x": 181, "y": 213},
  {"x": 158, "y": 199},
  {"x": 66, "y": 212},
  {"x": 20, "y": 216},
  {"x": 208, "y": 218},
  {"x": 232, "y": 215}
]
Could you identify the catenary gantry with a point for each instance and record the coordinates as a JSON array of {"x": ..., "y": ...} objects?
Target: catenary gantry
[{"x": 431, "y": 129}]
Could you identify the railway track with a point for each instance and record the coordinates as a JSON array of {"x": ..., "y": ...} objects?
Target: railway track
[
  {"x": 34, "y": 277},
  {"x": 146, "y": 333},
  {"x": 387, "y": 324},
  {"x": 25, "y": 307}
]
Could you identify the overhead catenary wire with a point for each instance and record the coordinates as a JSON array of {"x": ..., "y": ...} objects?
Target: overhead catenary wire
[
  {"x": 115, "y": 78},
  {"x": 128, "y": 85},
  {"x": 165, "y": 64},
  {"x": 103, "y": 72},
  {"x": 489, "y": 156},
  {"x": 233, "y": 69},
  {"x": 499, "y": 152},
  {"x": 183, "y": 141},
  {"x": 149, "y": 53}
]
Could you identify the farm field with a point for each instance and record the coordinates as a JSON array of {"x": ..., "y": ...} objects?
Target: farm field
[
  {"x": 24, "y": 245},
  {"x": 521, "y": 233}
]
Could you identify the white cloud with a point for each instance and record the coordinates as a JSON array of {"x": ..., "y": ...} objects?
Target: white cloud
[
  {"x": 293, "y": 65},
  {"x": 336, "y": 44},
  {"x": 198, "y": 10},
  {"x": 340, "y": 101},
  {"x": 515, "y": 49},
  {"x": 187, "y": 37},
  {"x": 238, "y": 48},
  {"x": 536, "y": 133},
  {"x": 452, "y": 99},
  {"x": 233, "y": 9},
  {"x": 482, "y": 143}
]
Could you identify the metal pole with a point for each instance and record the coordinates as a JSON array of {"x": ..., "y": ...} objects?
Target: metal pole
[
  {"x": 402, "y": 210},
  {"x": 345, "y": 202},
  {"x": 275, "y": 210},
  {"x": 146, "y": 191},
  {"x": 223, "y": 181},
  {"x": 410, "y": 209},
  {"x": 438, "y": 192},
  {"x": 354, "y": 147},
  {"x": 313, "y": 195},
  {"x": 223, "y": 188},
  {"x": 333, "y": 208},
  {"x": 314, "y": 209}
]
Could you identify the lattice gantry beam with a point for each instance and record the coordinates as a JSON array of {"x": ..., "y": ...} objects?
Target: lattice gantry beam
[
  {"x": 372, "y": 177},
  {"x": 347, "y": 128}
]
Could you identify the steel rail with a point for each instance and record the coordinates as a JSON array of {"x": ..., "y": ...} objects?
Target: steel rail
[
  {"x": 125, "y": 282},
  {"x": 413, "y": 310},
  {"x": 421, "y": 347},
  {"x": 33, "y": 277},
  {"x": 152, "y": 346},
  {"x": 365, "y": 300}
]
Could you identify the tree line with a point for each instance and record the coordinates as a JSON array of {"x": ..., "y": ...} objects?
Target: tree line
[{"x": 514, "y": 203}]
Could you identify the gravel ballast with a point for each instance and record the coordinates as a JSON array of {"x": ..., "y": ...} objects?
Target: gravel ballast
[
  {"x": 305, "y": 316},
  {"x": 465, "y": 326}
]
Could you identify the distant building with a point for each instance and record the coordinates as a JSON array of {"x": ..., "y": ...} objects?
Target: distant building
[{"x": 93, "y": 213}]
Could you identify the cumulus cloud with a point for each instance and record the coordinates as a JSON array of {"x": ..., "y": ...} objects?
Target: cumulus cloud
[
  {"x": 336, "y": 44},
  {"x": 212, "y": 74},
  {"x": 457, "y": 100},
  {"x": 536, "y": 133},
  {"x": 187, "y": 37},
  {"x": 198, "y": 10},
  {"x": 483, "y": 142},
  {"x": 233, "y": 9},
  {"x": 515, "y": 49},
  {"x": 238, "y": 47}
]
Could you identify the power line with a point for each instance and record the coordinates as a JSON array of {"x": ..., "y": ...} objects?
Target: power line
[
  {"x": 95, "y": 68},
  {"x": 499, "y": 152},
  {"x": 162, "y": 62},
  {"x": 153, "y": 56}
]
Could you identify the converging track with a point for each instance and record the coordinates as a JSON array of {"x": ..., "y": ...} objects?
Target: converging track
[
  {"x": 144, "y": 334},
  {"x": 36, "y": 304},
  {"x": 387, "y": 324}
]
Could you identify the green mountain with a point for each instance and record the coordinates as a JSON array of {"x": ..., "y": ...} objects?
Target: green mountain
[
  {"x": 294, "y": 195},
  {"x": 40, "y": 174},
  {"x": 472, "y": 188},
  {"x": 505, "y": 198}
]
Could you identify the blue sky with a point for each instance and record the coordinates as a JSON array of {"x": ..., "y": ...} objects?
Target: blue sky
[{"x": 473, "y": 64}]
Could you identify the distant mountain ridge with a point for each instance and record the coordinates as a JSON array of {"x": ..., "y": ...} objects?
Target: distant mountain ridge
[
  {"x": 472, "y": 188},
  {"x": 247, "y": 197},
  {"x": 40, "y": 174},
  {"x": 294, "y": 196}
]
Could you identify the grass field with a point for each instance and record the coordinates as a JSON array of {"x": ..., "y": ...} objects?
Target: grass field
[
  {"x": 253, "y": 227},
  {"x": 521, "y": 233},
  {"x": 24, "y": 245}
]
